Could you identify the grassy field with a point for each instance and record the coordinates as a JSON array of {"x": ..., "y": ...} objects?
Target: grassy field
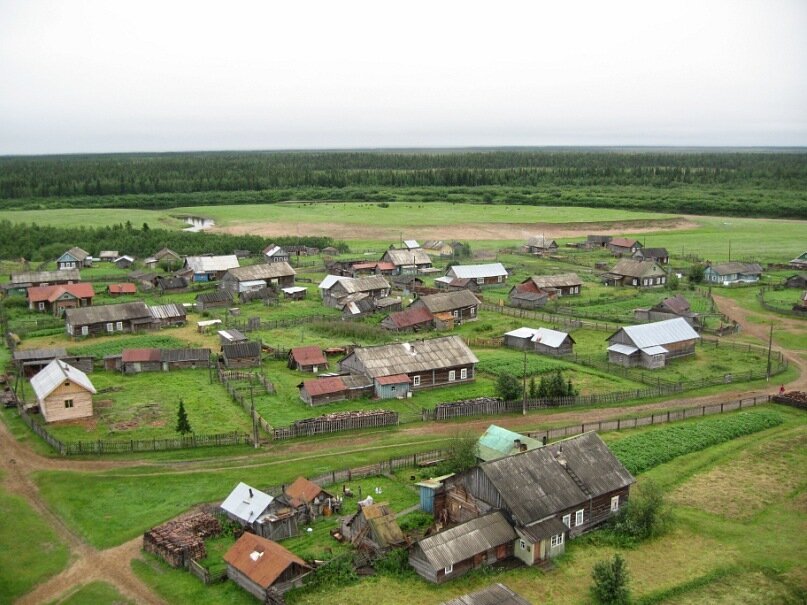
[{"x": 31, "y": 553}]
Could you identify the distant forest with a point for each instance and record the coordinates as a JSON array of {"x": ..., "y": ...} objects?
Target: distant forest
[{"x": 151, "y": 180}]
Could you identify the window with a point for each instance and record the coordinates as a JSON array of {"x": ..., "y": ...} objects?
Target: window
[
  {"x": 499, "y": 279},
  {"x": 68, "y": 403},
  {"x": 41, "y": 306},
  {"x": 109, "y": 327},
  {"x": 557, "y": 540},
  {"x": 480, "y": 280},
  {"x": 85, "y": 330},
  {"x": 473, "y": 311},
  {"x": 416, "y": 381},
  {"x": 452, "y": 376},
  {"x": 449, "y": 569},
  {"x": 456, "y": 313},
  {"x": 578, "y": 518},
  {"x": 463, "y": 373},
  {"x": 522, "y": 544},
  {"x": 614, "y": 504},
  {"x": 567, "y": 520},
  {"x": 119, "y": 326}
]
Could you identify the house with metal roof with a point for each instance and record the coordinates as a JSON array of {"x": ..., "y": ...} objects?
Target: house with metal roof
[
  {"x": 660, "y": 255},
  {"x": 562, "y": 284},
  {"x": 490, "y": 274},
  {"x": 497, "y": 442},
  {"x": 278, "y": 274},
  {"x": 108, "y": 319},
  {"x": 339, "y": 291},
  {"x": 652, "y": 345},
  {"x": 275, "y": 254},
  {"x": 428, "y": 363},
  {"x": 169, "y": 314},
  {"x": 308, "y": 498},
  {"x": 481, "y": 541},
  {"x": 327, "y": 389},
  {"x": 124, "y": 262},
  {"x": 55, "y": 299},
  {"x": 242, "y": 354},
  {"x": 540, "y": 340},
  {"x": 307, "y": 359},
  {"x": 20, "y": 282},
  {"x": 63, "y": 392},
  {"x": 413, "y": 319},
  {"x": 547, "y": 494},
  {"x": 210, "y": 268},
  {"x": 75, "y": 258},
  {"x": 246, "y": 504},
  {"x": 495, "y": 594},
  {"x": 623, "y": 246},
  {"x": 408, "y": 261},
  {"x": 263, "y": 567},
  {"x": 121, "y": 289},
  {"x": 540, "y": 244},
  {"x": 733, "y": 272},
  {"x": 637, "y": 273},
  {"x": 449, "y": 308}
]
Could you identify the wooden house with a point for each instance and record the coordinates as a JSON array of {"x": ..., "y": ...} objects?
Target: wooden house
[
  {"x": 800, "y": 262},
  {"x": 307, "y": 359},
  {"x": 108, "y": 319},
  {"x": 55, "y": 299},
  {"x": 547, "y": 494},
  {"x": 295, "y": 293},
  {"x": 450, "y": 308},
  {"x": 623, "y": 246},
  {"x": 563, "y": 284},
  {"x": 263, "y": 567},
  {"x": 134, "y": 361},
  {"x": 242, "y": 354},
  {"x": 456, "y": 283},
  {"x": 63, "y": 392},
  {"x": 541, "y": 340},
  {"x": 184, "y": 359},
  {"x": 124, "y": 262},
  {"x": 245, "y": 505},
  {"x": 275, "y": 254},
  {"x": 480, "y": 541},
  {"x": 438, "y": 247},
  {"x": 121, "y": 289},
  {"x": 523, "y": 298},
  {"x": 408, "y": 261},
  {"x": 540, "y": 244},
  {"x": 669, "y": 308},
  {"x": 498, "y": 442},
  {"x": 495, "y": 594},
  {"x": 598, "y": 241},
  {"x": 211, "y": 300},
  {"x": 20, "y": 282},
  {"x": 373, "y": 527},
  {"x": 328, "y": 389},
  {"x": 340, "y": 291},
  {"x": 169, "y": 314},
  {"x": 636, "y": 273},
  {"x": 108, "y": 256},
  {"x": 413, "y": 319},
  {"x": 732, "y": 273},
  {"x": 796, "y": 281},
  {"x": 375, "y": 267},
  {"x": 75, "y": 258},
  {"x": 166, "y": 258},
  {"x": 652, "y": 345},
  {"x": 210, "y": 268},
  {"x": 277, "y": 274},
  {"x": 309, "y": 499},
  {"x": 171, "y": 283},
  {"x": 660, "y": 255},
  {"x": 428, "y": 363},
  {"x": 491, "y": 274}
]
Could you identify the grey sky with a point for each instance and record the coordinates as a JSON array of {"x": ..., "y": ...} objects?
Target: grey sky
[{"x": 114, "y": 75}]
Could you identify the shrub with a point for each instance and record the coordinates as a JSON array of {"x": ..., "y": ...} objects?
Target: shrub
[
  {"x": 335, "y": 573},
  {"x": 394, "y": 563},
  {"x": 610, "y": 585},
  {"x": 646, "y": 515},
  {"x": 460, "y": 455},
  {"x": 508, "y": 387},
  {"x": 415, "y": 521}
]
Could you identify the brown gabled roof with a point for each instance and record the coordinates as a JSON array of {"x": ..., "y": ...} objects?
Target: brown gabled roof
[
  {"x": 140, "y": 355},
  {"x": 51, "y": 293},
  {"x": 324, "y": 386},
  {"x": 122, "y": 289},
  {"x": 394, "y": 379},
  {"x": 308, "y": 356},
  {"x": 413, "y": 316},
  {"x": 303, "y": 491},
  {"x": 448, "y": 301},
  {"x": 623, "y": 242},
  {"x": 676, "y": 304},
  {"x": 261, "y": 560}
]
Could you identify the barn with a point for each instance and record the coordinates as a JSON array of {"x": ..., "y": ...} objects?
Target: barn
[
  {"x": 63, "y": 392},
  {"x": 242, "y": 354},
  {"x": 449, "y": 308},
  {"x": 211, "y": 300},
  {"x": 108, "y": 319},
  {"x": 410, "y": 320},
  {"x": 307, "y": 359},
  {"x": 652, "y": 345},
  {"x": 334, "y": 388},
  {"x": 540, "y": 340}
]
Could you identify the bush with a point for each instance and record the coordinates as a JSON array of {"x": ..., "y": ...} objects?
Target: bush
[
  {"x": 508, "y": 387},
  {"x": 335, "y": 573},
  {"x": 460, "y": 456},
  {"x": 415, "y": 521},
  {"x": 395, "y": 563},
  {"x": 646, "y": 515},
  {"x": 610, "y": 585}
]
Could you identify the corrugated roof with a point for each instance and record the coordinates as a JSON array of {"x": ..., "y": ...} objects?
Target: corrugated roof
[
  {"x": 262, "y": 271},
  {"x": 448, "y": 301},
  {"x": 232, "y": 335},
  {"x": 466, "y": 540},
  {"x": 28, "y": 277},
  {"x": 274, "y": 250},
  {"x": 737, "y": 267},
  {"x": 676, "y": 304},
  {"x": 246, "y": 503},
  {"x": 241, "y": 350},
  {"x": 562, "y": 280},
  {"x": 211, "y": 264},
  {"x": 477, "y": 271},
  {"x": 330, "y": 385},
  {"x": 496, "y": 594},
  {"x": 355, "y": 285},
  {"x": 546, "y": 336},
  {"x": 655, "y": 350},
  {"x": 394, "y": 379},
  {"x": 52, "y": 293},
  {"x": 402, "y": 258},
  {"x": 303, "y": 491},
  {"x": 623, "y": 349},
  {"x": 329, "y": 281},
  {"x": 497, "y": 442},
  {"x": 386, "y": 531},
  {"x": 39, "y": 354},
  {"x": 653, "y": 252},
  {"x": 411, "y": 244},
  {"x": 167, "y": 311},
  {"x": 261, "y": 560},
  {"x": 107, "y": 313},
  {"x": 77, "y": 253},
  {"x": 214, "y": 296},
  {"x": 56, "y": 373},
  {"x": 125, "y": 288},
  {"x": 140, "y": 355},
  {"x": 410, "y": 317},
  {"x": 659, "y": 333},
  {"x": 630, "y": 267},
  {"x": 309, "y": 356},
  {"x": 421, "y": 355},
  {"x": 543, "y": 529}
]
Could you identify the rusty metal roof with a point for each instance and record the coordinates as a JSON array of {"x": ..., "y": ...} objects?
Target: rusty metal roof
[
  {"x": 261, "y": 560},
  {"x": 324, "y": 386},
  {"x": 495, "y": 594},
  {"x": 466, "y": 540},
  {"x": 140, "y": 355},
  {"x": 410, "y": 317},
  {"x": 52, "y": 293},
  {"x": 308, "y": 356},
  {"x": 303, "y": 490}
]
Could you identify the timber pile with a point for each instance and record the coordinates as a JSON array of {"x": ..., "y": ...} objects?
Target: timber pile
[
  {"x": 182, "y": 540},
  {"x": 337, "y": 416},
  {"x": 796, "y": 399}
]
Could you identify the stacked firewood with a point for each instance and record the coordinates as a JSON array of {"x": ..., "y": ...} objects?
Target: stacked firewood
[{"x": 182, "y": 540}]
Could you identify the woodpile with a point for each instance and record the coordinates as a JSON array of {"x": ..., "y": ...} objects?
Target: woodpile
[
  {"x": 337, "y": 416},
  {"x": 182, "y": 540},
  {"x": 796, "y": 399}
]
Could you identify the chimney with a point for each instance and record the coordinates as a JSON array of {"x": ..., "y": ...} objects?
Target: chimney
[
  {"x": 251, "y": 495},
  {"x": 560, "y": 458},
  {"x": 523, "y": 447},
  {"x": 517, "y": 444}
]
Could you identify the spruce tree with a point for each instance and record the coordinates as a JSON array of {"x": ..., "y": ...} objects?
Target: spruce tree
[{"x": 183, "y": 425}]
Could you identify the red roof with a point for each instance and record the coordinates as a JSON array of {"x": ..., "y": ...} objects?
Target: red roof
[
  {"x": 412, "y": 316},
  {"x": 140, "y": 355},
  {"x": 380, "y": 265},
  {"x": 386, "y": 266},
  {"x": 51, "y": 293},
  {"x": 394, "y": 379},
  {"x": 261, "y": 560},
  {"x": 122, "y": 289},
  {"x": 303, "y": 490},
  {"x": 309, "y": 356},
  {"x": 324, "y": 386},
  {"x": 624, "y": 242}
]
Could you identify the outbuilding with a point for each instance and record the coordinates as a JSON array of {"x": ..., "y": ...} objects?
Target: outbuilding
[
  {"x": 652, "y": 345},
  {"x": 262, "y": 567},
  {"x": 540, "y": 340},
  {"x": 63, "y": 392},
  {"x": 242, "y": 355},
  {"x": 307, "y": 359}
]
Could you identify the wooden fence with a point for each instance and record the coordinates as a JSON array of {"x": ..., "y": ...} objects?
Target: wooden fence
[
  {"x": 322, "y": 425},
  {"x": 781, "y": 310},
  {"x": 551, "y": 318},
  {"x": 205, "y": 575}
]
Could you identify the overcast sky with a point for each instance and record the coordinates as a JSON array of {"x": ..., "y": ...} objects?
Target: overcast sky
[{"x": 120, "y": 75}]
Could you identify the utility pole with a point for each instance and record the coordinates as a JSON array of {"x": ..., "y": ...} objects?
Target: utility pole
[
  {"x": 524, "y": 387},
  {"x": 770, "y": 342},
  {"x": 254, "y": 418},
  {"x": 729, "y": 249}
]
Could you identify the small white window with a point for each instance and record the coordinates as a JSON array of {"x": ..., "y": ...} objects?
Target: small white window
[
  {"x": 109, "y": 327},
  {"x": 473, "y": 311},
  {"x": 456, "y": 313},
  {"x": 119, "y": 326},
  {"x": 614, "y": 504},
  {"x": 85, "y": 330},
  {"x": 557, "y": 540},
  {"x": 480, "y": 280},
  {"x": 452, "y": 375},
  {"x": 499, "y": 278},
  {"x": 578, "y": 518},
  {"x": 463, "y": 373},
  {"x": 567, "y": 520},
  {"x": 41, "y": 306},
  {"x": 449, "y": 569},
  {"x": 416, "y": 381}
]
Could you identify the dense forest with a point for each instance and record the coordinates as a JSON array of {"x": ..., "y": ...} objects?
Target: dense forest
[
  {"x": 43, "y": 243},
  {"x": 159, "y": 180}
]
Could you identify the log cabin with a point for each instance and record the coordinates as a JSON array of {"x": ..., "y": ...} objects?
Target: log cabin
[
  {"x": 108, "y": 319},
  {"x": 652, "y": 345},
  {"x": 63, "y": 392}
]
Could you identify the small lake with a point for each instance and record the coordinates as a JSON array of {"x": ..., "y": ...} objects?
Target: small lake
[{"x": 198, "y": 223}]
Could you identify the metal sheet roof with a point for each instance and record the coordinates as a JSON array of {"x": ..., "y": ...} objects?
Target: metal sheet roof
[
  {"x": 140, "y": 355},
  {"x": 54, "y": 374},
  {"x": 330, "y": 385},
  {"x": 261, "y": 560},
  {"x": 329, "y": 281},
  {"x": 562, "y": 280},
  {"x": 546, "y": 336},
  {"x": 466, "y": 540},
  {"x": 496, "y": 594},
  {"x": 623, "y": 349},
  {"x": 660, "y": 333},
  {"x": 307, "y": 356},
  {"x": 477, "y": 271},
  {"x": 167, "y": 311},
  {"x": 294, "y": 290},
  {"x": 261, "y": 271},
  {"x": 421, "y": 355},
  {"x": 246, "y": 503},
  {"x": 38, "y": 354},
  {"x": 497, "y": 442},
  {"x": 655, "y": 350},
  {"x": 209, "y": 264},
  {"x": 107, "y": 313},
  {"x": 52, "y": 293},
  {"x": 448, "y": 301}
]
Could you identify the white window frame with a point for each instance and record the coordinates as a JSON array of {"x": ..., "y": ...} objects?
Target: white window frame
[
  {"x": 41, "y": 305},
  {"x": 567, "y": 520},
  {"x": 499, "y": 278},
  {"x": 480, "y": 280},
  {"x": 614, "y": 504},
  {"x": 522, "y": 544},
  {"x": 579, "y": 517},
  {"x": 85, "y": 330},
  {"x": 557, "y": 540},
  {"x": 68, "y": 403},
  {"x": 452, "y": 375},
  {"x": 456, "y": 313},
  {"x": 449, "y": 569},
  {"x": 110, "y": 327},
  {"x": 473, "y": 311},
  {"x": 119, "y": 326},
  {"x": 464, "y": 374},
  {"x": 415, "y": 381}
]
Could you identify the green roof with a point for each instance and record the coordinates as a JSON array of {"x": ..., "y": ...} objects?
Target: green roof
[{"x": 498, "y": 442}]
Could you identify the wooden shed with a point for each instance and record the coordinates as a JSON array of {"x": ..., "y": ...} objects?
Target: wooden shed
[
  {"x": 540, "y": 340},
  {"x": 134, "y": 361},
  {"x": 307, "y": 359},
  {"x": 652, "y": 345},
  {"x": 63, "y": 392},
  {"x": 211, "y": 300},
  {"x": 242, "y": 354},
  {"x": 261, "y": 566}
]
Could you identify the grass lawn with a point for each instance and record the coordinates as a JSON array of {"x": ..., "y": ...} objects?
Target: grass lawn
[
  {"x": 97, "y": 593},
  {"x": 31, "y": 553}
]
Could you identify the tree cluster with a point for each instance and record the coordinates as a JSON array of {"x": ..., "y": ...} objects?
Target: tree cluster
[{"x": 552, "y": 386}]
